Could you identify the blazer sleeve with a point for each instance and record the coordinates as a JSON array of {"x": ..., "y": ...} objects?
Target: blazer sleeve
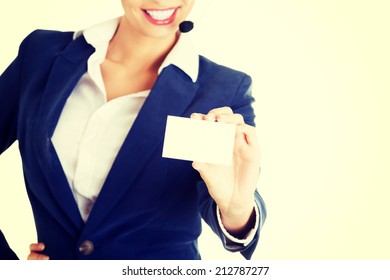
[
  {"x": 6, "y": 252},
  {"x": 10, "y": 81},
  {"x": 242, "y": 104}
]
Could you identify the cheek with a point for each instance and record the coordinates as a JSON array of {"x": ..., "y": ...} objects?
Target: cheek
[
  {"x": 189, "y": 4},
  {"x": 131, "y": 4},
  {"x": 124, "y": 4},
  {"x": 187, "y": 7}
]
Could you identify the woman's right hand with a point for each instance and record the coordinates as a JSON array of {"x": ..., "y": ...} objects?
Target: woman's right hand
[{"x": 35, "y": 249}]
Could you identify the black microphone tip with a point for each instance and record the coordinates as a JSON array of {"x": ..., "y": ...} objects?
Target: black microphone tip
[{"x": 186, "y": 26}]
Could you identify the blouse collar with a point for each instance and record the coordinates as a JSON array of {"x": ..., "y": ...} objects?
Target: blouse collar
[{"x": 182, "y": 55}]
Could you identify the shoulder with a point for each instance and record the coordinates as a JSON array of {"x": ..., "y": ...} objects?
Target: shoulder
[
  {"x": 41, "y": 47},
  {"x": 216, "y": 74},
  {"x": 46, "y": 41},
  {"x": 210, "y": 70},
  {"x": 227, "y": 87},
  {"x": 51, "y": 35}
]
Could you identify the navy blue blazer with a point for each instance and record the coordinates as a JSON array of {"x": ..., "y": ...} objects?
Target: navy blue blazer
[{"x": 149, "y": 207}]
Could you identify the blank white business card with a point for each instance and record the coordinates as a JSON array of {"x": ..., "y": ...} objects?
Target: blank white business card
[{"x": 199, "y": 140}]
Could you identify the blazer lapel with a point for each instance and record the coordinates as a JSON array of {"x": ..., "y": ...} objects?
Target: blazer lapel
[
  {"x": 67, "y": 69},
  {"x": 171, "y": 95}
]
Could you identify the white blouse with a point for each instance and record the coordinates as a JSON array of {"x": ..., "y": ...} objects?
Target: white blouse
[{"x": 99, "y": 127}]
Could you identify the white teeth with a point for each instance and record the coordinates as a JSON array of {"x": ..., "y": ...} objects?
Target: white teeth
[{"x": 161, "y": 14}]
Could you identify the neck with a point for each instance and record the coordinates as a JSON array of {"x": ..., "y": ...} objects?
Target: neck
[{"x": 129, "y": 47}]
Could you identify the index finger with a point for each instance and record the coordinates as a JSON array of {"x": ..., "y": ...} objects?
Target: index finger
[{"x": 214, "y": 113}]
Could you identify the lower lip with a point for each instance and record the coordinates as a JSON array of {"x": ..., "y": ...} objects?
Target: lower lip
[{"x": 161, "y": 22}]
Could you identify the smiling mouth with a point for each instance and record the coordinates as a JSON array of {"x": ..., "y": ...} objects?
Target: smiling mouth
[{"x": 161, "y": 17}]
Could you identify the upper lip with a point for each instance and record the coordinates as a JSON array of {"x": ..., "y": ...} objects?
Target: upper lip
[
  {"x": 161, "y": 14},
  {"x": 162, "y": 9}
]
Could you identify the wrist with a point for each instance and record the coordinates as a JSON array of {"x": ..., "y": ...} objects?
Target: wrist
[{"x": 239, "y": 221}]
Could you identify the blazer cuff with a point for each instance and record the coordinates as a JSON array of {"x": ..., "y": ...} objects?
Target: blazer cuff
[{"x": 233, "y": 242}]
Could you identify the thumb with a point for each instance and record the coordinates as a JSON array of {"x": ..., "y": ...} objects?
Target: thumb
[{"x": 199, "y": 166}]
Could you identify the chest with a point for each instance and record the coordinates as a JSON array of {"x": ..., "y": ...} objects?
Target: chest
[{"x": 120, "y": 80}]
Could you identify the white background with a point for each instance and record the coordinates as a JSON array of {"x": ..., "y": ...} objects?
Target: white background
[{"x": 321, "y": 72}]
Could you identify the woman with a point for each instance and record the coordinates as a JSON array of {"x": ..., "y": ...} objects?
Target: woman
[{"x": 89, "y": 110}]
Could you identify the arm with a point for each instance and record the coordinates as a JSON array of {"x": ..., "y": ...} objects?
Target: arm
[
  {"x": 10, "y": 81},
  {"x": 208, "y": 209},
  {"x": 6, "y": 253},
  {"x": 233, "y": 188}
]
